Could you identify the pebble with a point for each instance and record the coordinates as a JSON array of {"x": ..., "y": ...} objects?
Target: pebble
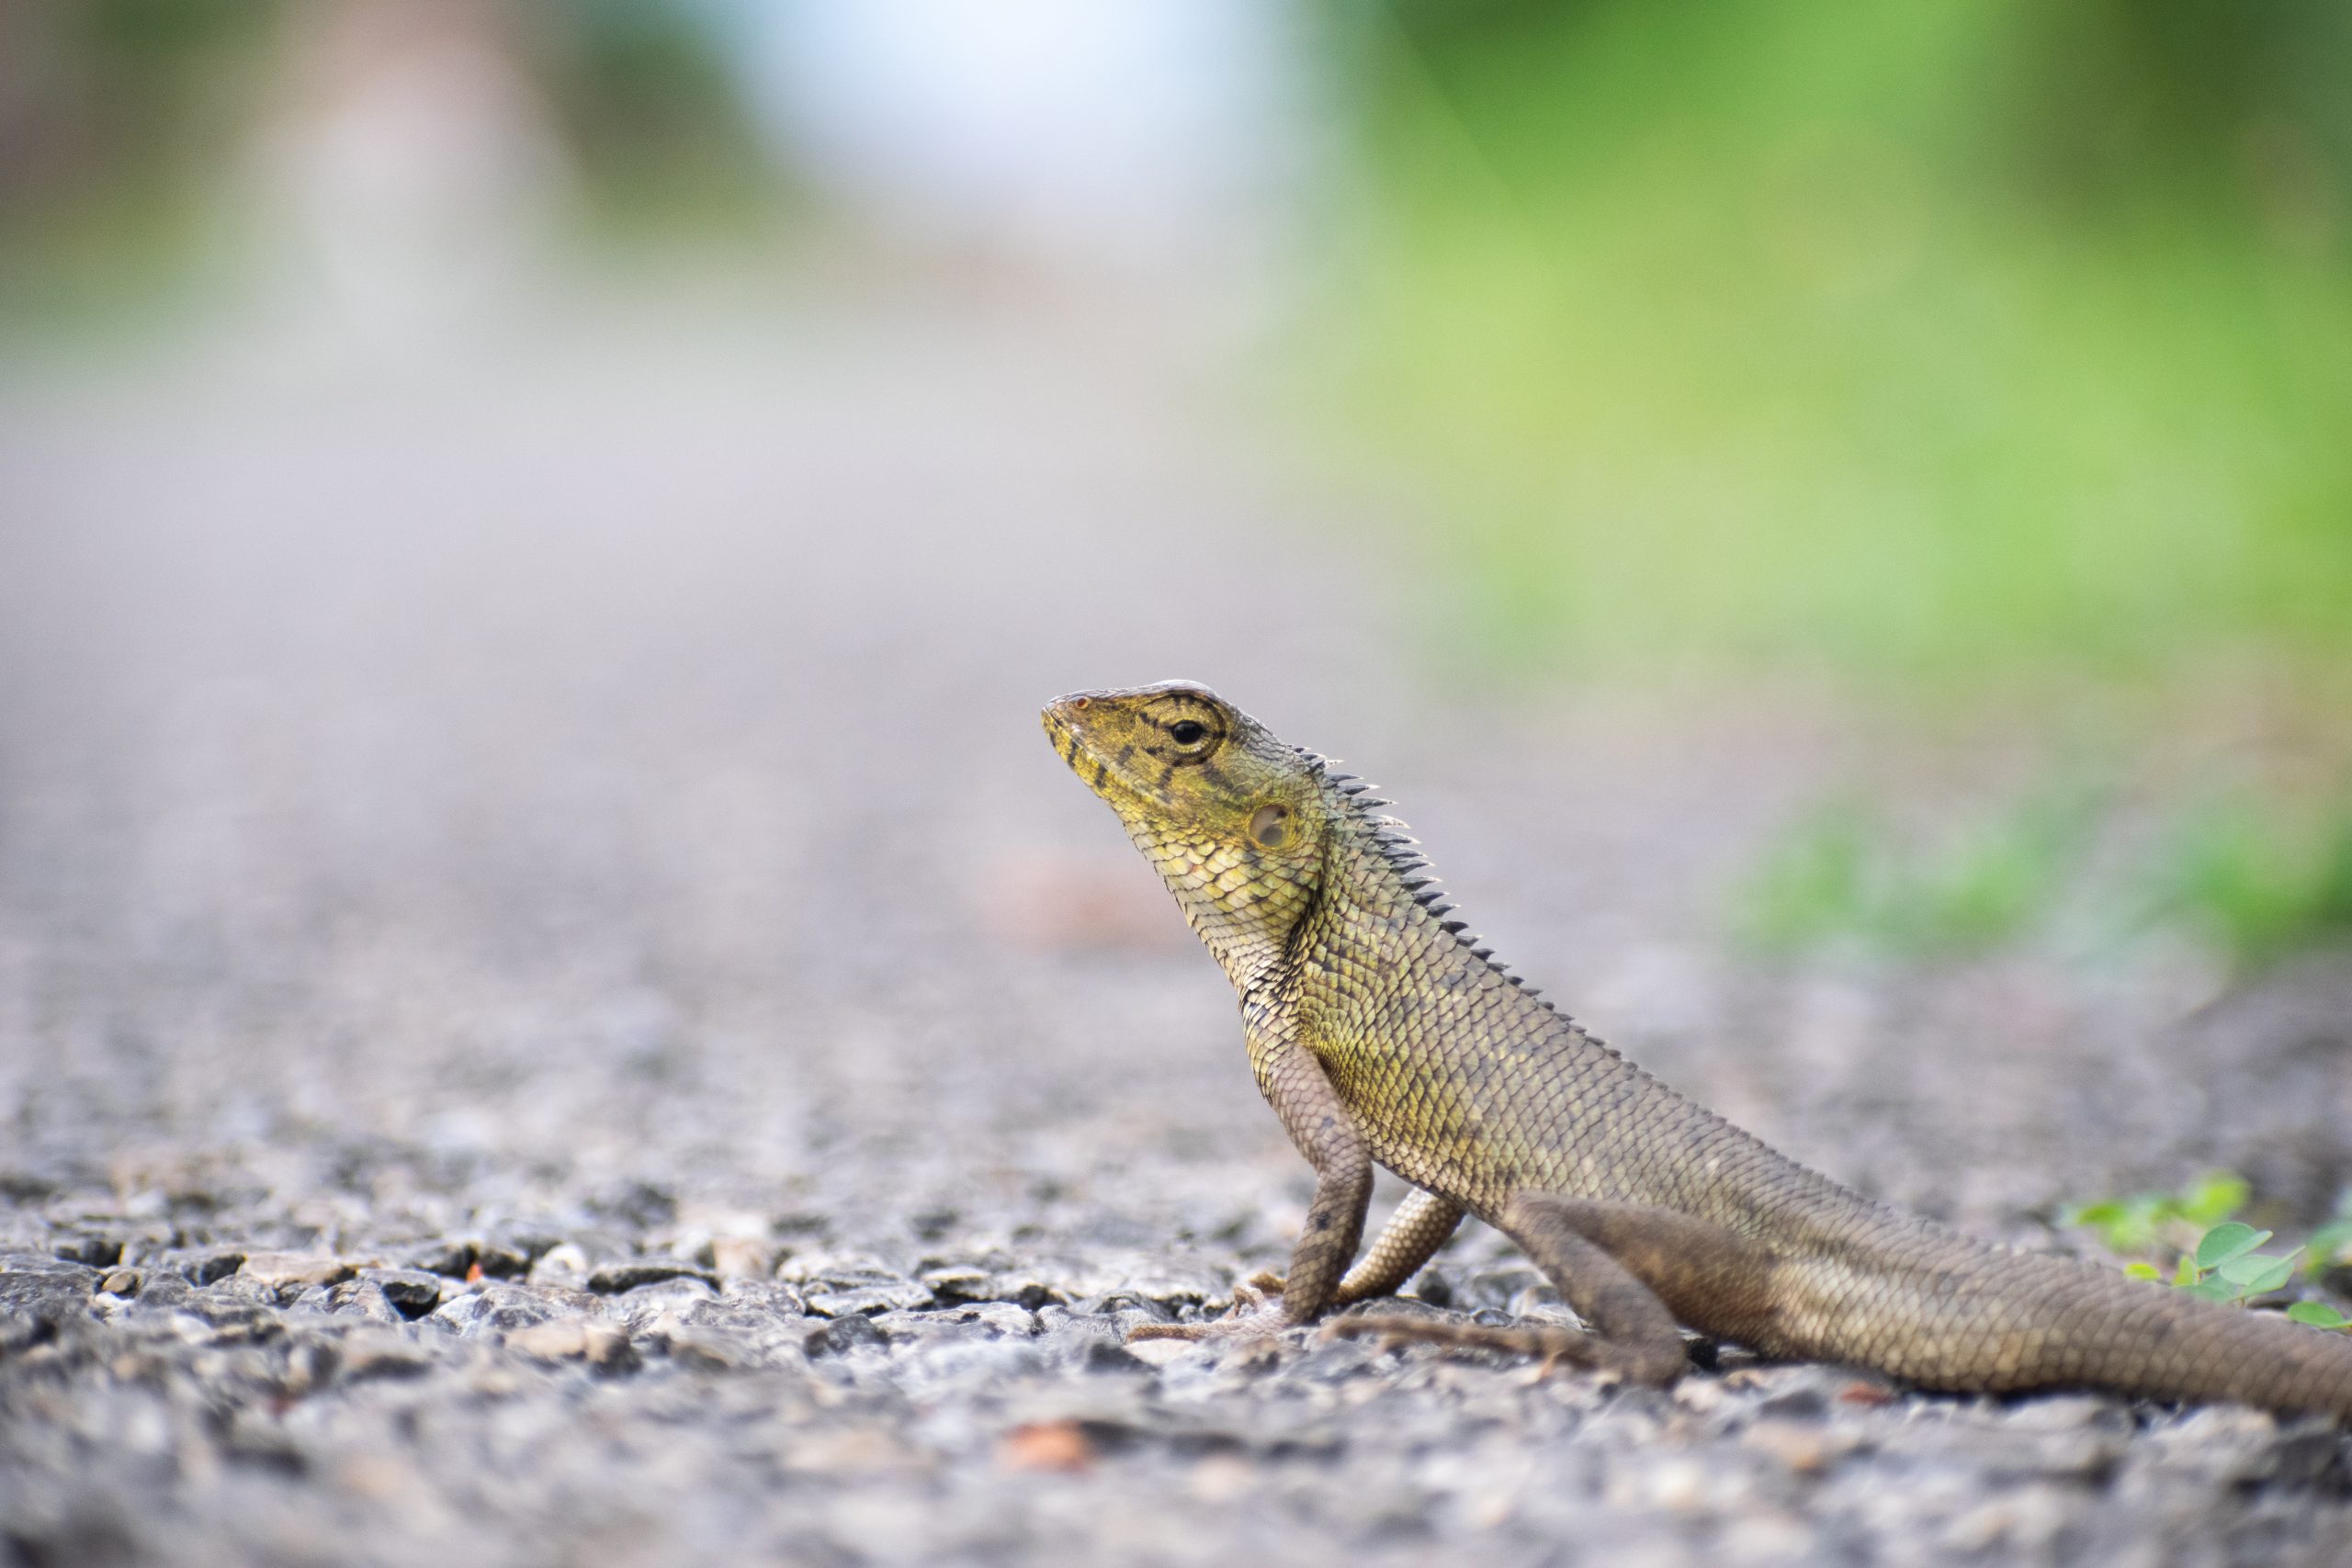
[
  {"x": 601, "y": 1344},
  {"x": 414, "y": 1292},
  {"x": 293, "y": 1270},
  {"x": 351, "y": 1298},
  {"x": 741, "y": 1257},
  {"x": 610, "y": 1278}
]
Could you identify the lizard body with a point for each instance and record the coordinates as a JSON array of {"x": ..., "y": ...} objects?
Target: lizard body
[{"x": 1383, "y": 1033}]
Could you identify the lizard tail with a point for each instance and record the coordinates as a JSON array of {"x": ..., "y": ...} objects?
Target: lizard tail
[
  {"x": 2000, "y": 1321},
  {"x": 2138, "y": 1336}
]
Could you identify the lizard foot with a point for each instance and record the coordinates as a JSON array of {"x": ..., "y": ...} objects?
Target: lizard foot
[
  {"x": 1254, "y": 1317},
  {"x": 1555, "y": 1345}
]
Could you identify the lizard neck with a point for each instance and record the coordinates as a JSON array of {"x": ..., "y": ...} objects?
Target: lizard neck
[{"x": 1380, "y": 896}]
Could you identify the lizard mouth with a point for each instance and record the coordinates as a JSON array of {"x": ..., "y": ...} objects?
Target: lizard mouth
[
  {"x": 1102, "y": 768},
  {"x": 1063, "y": 727}
]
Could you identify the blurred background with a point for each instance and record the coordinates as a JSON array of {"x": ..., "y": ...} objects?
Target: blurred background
[{"x": 532, "y": 533}]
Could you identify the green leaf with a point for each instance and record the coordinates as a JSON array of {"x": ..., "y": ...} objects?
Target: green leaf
[
  {"x": 2319, "y": 1314},
  {"x": 2328, "y": 1243},
  {"x": 2225, "y": 1242},
  {"x": 2214, "y": 1290},
  {"x": 2213, "y": 1197},
  {"x": 2142, "y": 1272},
  {"x": 2187, "y": 1273},
  {"x": 2255, "y": 1275},
  {"x": 2100, "y": 1215}
]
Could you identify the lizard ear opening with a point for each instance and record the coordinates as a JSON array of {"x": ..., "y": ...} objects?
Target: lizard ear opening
[{"x": 1270, "y": 827}]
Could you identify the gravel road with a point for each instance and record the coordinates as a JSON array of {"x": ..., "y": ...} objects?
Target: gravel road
[{"x": 555, "y": 1006}]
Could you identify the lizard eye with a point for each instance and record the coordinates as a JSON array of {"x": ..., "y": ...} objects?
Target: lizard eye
[
  {"x": 1188, "y": 732},
  {"x": 1270, "y": 827}
]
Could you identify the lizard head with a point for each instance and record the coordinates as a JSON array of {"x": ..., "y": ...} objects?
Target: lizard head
[{"x": 1232, "y": 818}]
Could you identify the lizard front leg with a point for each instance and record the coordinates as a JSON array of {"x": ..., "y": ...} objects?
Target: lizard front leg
[
  {"x": 1423, "y": 1223},
  {"x": 1320, "y": 1127}
]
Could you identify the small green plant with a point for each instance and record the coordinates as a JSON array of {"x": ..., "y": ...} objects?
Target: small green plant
[
  {"x": 2332, "y": 1243},
  {"x": 2219, "y": 1258},
  {"x": 2146, "y": 1220},
  {"x": 2225, "y": 1266}
]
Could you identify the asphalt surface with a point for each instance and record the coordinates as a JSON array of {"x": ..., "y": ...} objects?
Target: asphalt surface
[{"x": 555, "y": 1006}]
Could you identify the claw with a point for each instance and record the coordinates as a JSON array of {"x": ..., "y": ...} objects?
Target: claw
[
  {"x": 1169, "y": 1331},
  {"x": 1264, "y": 1321}
]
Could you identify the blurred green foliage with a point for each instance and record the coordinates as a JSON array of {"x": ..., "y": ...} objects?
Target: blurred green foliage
[
  {"x": 2255, "y": 879},
  {"x": 2147, "y": 1221},
  {"x": 110, "y": 111},
  {"x": 122, "y": 120},
  {"x": 1942, "y": 339},
  {"x": 642, "y": 93},
  {"x": 1845, "y": 875},
  {"x": 2262, "y": 883}
]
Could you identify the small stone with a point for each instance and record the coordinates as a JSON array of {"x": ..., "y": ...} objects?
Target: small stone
[
  {"x": 1054, "y": 1446},
  {"x": 1796, "y": 1404},
  {"x": 770, "y": 1296},
  {"x": 1805, "y": 1447},
  {"x": 1102, "y": 1356},
  {"x": 97, "y": 1251},
  {"x": 37, "y": 1289},
  {"x": 1701, "y": 1395},
  {"x": 709, "y": 1350},
  {"x": 1024, "y": 1290},
  {"x": 956, "y": 1283},
  {"x": 367, "y": 1355},
  {"x": 565, "y": 1263},
  {"x": 451, "y": 1257},
  {"x": 974, "y": 1320},
  {"x": 599, "y": 1344},
  {"x": 1176, "y": 1285},
  {"x": 641, "y": 1205},
  {"x": 500, "y": 1260},
  {"x": 459, "y": 1257},
  {"x": 412, "y": 1291},
  {"x": 839, "y": 1270},
  {"x": 2057, "y": 1413},
  {"x": 1433, "y": 1288},
  {"x": 208, "y": 1268},
  {"x": 657, "y": 1307},
  {"x": 1870, "y": 1395},
  {"x": 504, "y": 1309},
  {"x": 610, "y": 1278},
  {"x": 865, "y": 1299},
  {"x": 1222, "y": 1478},
  {"x": 282, "y": 1270},
  {"x": 741, "y": 1257},
  {"x": 1159, "y": 1352},
  {"x": 843, "y": 1335},
  {"x": 121, "y": 1282},
  {"x": 1677, "y": 1484},
  {"x": 358, "y": 1298}
]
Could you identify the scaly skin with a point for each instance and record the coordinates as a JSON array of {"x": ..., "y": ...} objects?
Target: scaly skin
[{"x": 1381, "y": 1033}]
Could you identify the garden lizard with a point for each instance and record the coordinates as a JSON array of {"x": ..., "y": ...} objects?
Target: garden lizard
[{"x": 1384, "y": 1033}]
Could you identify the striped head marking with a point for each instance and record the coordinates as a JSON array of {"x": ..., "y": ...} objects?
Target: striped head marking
[{"x": 1233, "y": 819}]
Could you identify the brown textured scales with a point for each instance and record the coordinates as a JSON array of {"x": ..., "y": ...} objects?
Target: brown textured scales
[{"x": 1383, "y": 1033}]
